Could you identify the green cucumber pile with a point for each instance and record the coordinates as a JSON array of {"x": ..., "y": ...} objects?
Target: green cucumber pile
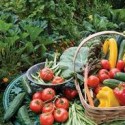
[{"x": 119, "y": 78}]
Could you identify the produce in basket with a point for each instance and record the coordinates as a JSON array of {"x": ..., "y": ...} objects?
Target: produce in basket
[
  {"x": 103, "y": 69},
  {"x": 102, "y": 106},
  {"x": 107, "y": 97},
  {"x": 120, "y": 93}
]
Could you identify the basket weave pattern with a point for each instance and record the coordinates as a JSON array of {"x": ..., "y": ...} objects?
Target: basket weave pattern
[{"x": 99, "y": 115}]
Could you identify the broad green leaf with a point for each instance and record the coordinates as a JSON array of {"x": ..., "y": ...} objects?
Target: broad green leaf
[
  {"x": 29, "y": 47},
  {"x": 24, "y": 35},
  {"x": 45, "y": 40},
  {"x": 11, "y": 40},
  {"x": 4, "y": 26},
  {"x": 33, "y": 32},
  {"x": 66, "y": 60},
  {"x": 120, "y": 14}
]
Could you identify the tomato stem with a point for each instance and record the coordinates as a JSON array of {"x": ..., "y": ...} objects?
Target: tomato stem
[{"x": 56, "y": 97}]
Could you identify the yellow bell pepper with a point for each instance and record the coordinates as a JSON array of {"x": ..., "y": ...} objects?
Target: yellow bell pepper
[
  {"x": 111, "y": 45},
  {"x": 107, "y": 98}
]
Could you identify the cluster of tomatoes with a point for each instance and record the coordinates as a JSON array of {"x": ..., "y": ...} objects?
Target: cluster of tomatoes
[
  {"x": 50, "y": 107},
  {"x": 47, "y": 75},
  {"x": 105, "y": 73}
]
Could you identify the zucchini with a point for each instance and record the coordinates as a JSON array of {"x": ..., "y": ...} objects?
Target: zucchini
[
  {"x": 112, "y": 83},
  {"x": 14, "y": 106},
  {"x": 120, "y": 76},
  {"x": 119, "y": 39},
  {"x": 121, "y": 50},
  {"x": 26, "y": 86},
  {"x": 23, "y": 116}
]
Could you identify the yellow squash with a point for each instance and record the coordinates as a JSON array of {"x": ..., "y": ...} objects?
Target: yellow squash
[
  {"x": 106, "y": 47},
  {"x": 111, "y": 46}
]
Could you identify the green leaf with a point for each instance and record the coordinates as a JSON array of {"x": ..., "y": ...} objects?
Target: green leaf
[
  {"x": 4, "y": 26},
  {"x": 88, "y": 26},
  {"x": 33, "y": 32},
  {"x": 24, "y": 35},
  {"x": 66, "y": 60},
  {"x": 11, "y": 40},
  {"x": 29, "y": 47},
  {"x": 45, "y": 40},
  {"x": 26, "y": 59},
  {"x": 43, "y": 48}
]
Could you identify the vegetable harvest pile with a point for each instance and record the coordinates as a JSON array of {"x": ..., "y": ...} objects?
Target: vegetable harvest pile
[
  {"x": 106, "y": 84},
  {"x": 49, "y": 106}
]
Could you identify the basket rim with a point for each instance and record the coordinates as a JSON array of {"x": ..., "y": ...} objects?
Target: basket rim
[{"x": 105, "y": 108}]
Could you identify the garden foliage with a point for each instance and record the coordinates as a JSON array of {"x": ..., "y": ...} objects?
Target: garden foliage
[{"x": 32, "y": 29}]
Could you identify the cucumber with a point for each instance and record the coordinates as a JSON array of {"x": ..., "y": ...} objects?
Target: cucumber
[
  {"x": 26, "y": 86},
  {"x": 119, "y": 39},
  {"x": 23, "y": 116},
  {"x": 120, "y": 76},
  {"x": 121, "y": 50},
  {"x": 14, "y": 106},
  {"x": 112, "y": 83}
]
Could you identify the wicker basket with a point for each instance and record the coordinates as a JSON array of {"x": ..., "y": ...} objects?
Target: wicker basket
[{"x": 99, "y": 115}]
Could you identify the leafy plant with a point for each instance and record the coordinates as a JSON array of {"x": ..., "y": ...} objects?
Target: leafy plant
[
  {"x": 66, "y": 60},
  {"x": 31, "y": 29},
  {"x": 21, "y": 46},
  {"x": 98, "y": 23}
]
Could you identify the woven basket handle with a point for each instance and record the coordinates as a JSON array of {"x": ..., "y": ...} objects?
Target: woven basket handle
[{"x": 79, "y": 47}]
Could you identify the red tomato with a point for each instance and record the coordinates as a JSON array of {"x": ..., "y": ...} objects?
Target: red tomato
[
  {"x": 103, "y": 76},
  {"x": 62, "y": 103},
  {"x": 48, "y": 107},
  {"x": 48, "y": 94},
  {"x": 97, "y": 89},
  {"x": 93, "y": 81},
  {"x": 70, "y": 93},
  {"x": 103, "y": 71},
  {"x": 46, "y": 74},
  {"x": 36, "y": 105},
  {"x": 105, "y": 64},
  {"x": 57, "y": 80},
  {"x": 46, "y": 119},
  {"x": 120, "y": 65},
  {"x": 37, "y": 95},
  {"x": 61, "y": 115},
  {"x": 113, "y": 71}
]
